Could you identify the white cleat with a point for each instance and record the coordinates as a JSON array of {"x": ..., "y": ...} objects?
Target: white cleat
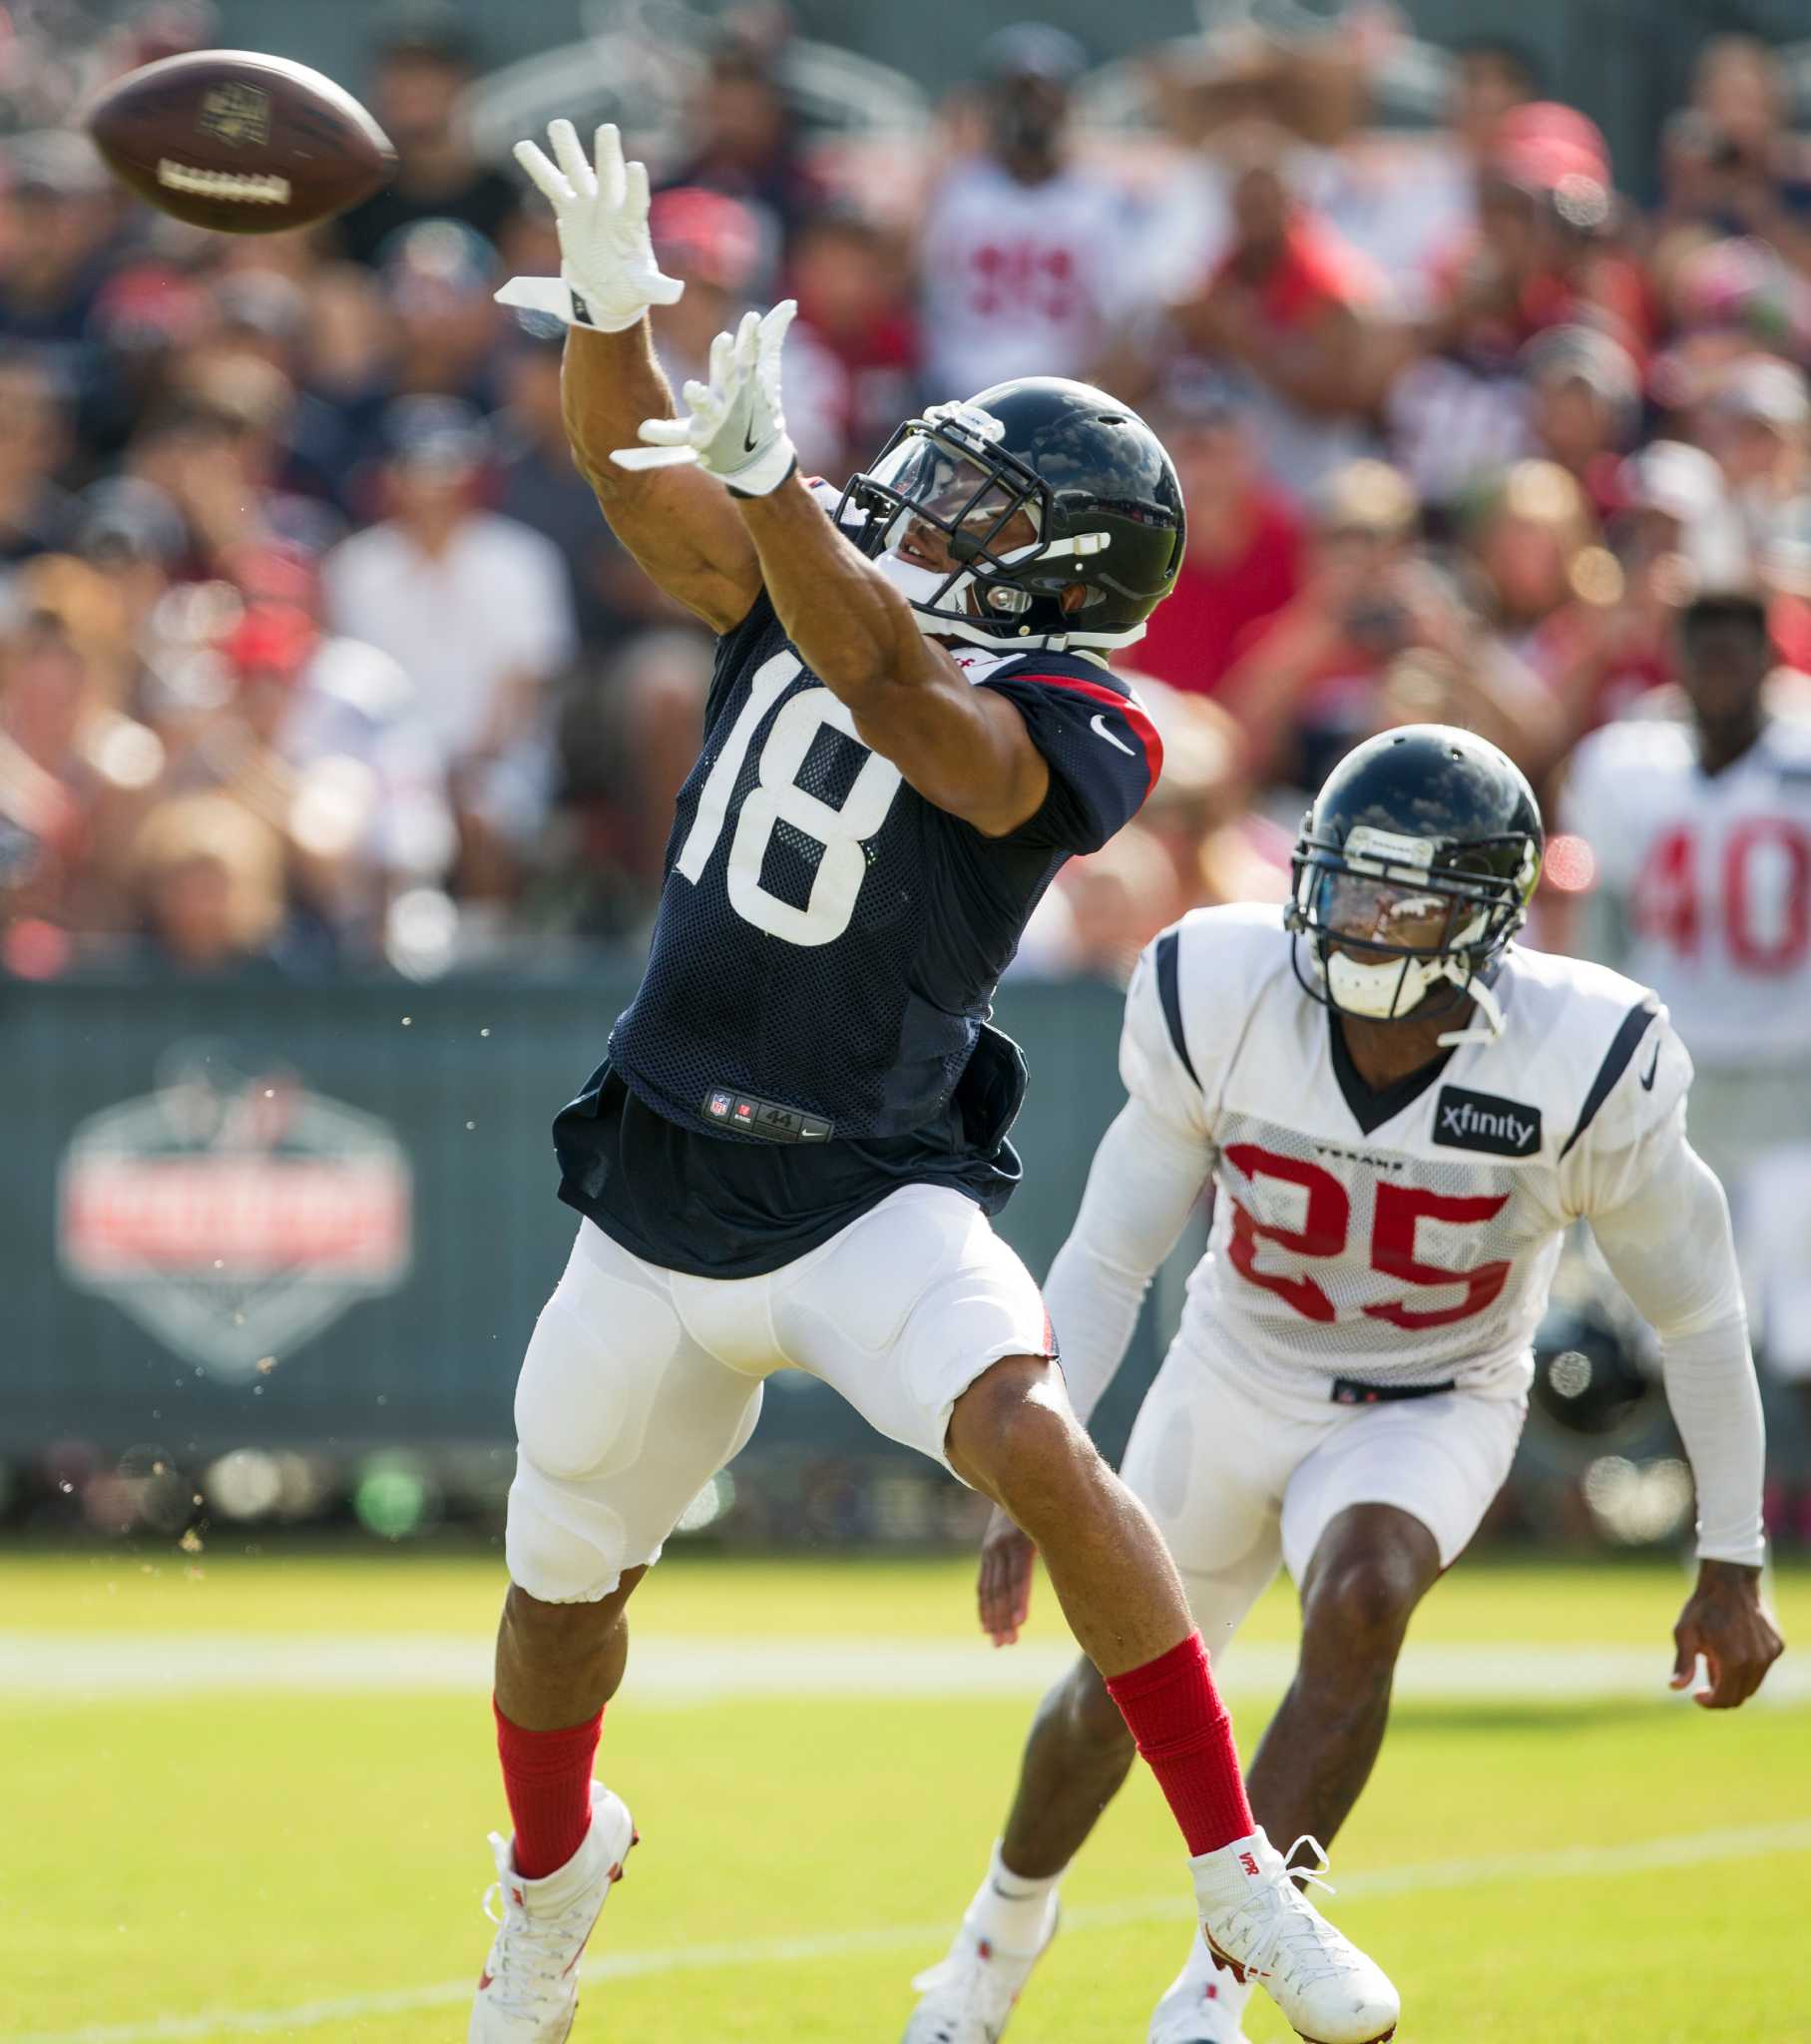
[
  {"x": 1261, "y": 1927},
  {"x": 528, "y": 1992},
  {"x": 967, "y": 1996},
  {"x": 1202, "y": 2004}
]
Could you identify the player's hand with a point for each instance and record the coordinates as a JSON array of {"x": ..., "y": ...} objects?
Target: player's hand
[
  {"x": 1725, "y": 1620},
  {"x": 1004, "y": 1593},
  {"x": 608, "y": 276},
  {"x": 736, "y": 430}
]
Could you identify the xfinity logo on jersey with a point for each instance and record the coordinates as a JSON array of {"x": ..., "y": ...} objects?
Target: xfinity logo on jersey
[{"x": 1482, "y": 1121}]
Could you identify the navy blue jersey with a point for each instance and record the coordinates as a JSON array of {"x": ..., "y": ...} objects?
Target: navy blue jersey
[{"x": 829, "y": 942}]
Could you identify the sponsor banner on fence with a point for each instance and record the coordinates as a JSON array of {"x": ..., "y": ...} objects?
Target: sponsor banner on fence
[{"x": 232, "y": 1211}]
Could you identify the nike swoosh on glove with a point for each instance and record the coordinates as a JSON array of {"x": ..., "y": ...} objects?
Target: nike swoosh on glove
[
  {"x": 736, "y": 430},
  {"x": 608, "y": 273}
]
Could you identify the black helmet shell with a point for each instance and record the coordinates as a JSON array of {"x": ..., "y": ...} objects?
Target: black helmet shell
[
  {"x": 1103, "y": 495},
  {"x": 1435, "y": 808}
]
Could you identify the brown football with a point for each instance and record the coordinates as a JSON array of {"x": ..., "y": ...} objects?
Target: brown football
[{"x": 238, "y": 142}]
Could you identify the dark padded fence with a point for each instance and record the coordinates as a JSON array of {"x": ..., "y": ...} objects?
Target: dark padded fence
[{"x": 325, "y": 1216}]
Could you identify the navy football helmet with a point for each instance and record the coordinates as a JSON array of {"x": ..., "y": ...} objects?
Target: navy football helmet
[
  {"x": 1413, "y": 870},
  {"x": 1103, "y": 508}
]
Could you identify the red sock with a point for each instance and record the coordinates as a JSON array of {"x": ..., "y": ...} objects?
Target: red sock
[
  {"x": 547, "y": 1778},
  {"x": 1182, "y": 1729}
]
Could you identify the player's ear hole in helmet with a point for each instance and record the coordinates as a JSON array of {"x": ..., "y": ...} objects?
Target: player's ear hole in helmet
[
  {"x": 1413, "y": 870},
  {"x": 1041, "y": 513}
]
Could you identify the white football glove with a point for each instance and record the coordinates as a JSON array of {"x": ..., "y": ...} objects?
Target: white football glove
[
  {"x": 736, "y": 430},
  {"x": 608, "y": 276}
]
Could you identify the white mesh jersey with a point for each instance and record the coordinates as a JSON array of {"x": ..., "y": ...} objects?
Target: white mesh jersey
[
  {"x": 1712, "y": 874},
  {"x": 1399, "y": 1238},
  {"x": 1020, "y": 280}
]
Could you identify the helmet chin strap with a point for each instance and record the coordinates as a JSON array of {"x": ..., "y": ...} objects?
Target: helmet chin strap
[
  {"x": 1487, "y": 1004},
  {"x": 920, "y": 586},
  {"x": 1373, "y": 991}
]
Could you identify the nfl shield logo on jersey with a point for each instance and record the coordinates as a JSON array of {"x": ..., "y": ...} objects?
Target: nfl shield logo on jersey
[{"x": 718, "y": 1105}]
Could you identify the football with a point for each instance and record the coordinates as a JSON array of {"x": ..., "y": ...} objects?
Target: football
[{"x": 238, "y": 142}]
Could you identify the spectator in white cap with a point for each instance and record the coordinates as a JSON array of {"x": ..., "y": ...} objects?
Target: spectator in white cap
[
  {"x": 477, "y": 611},
  {"x": 57, "y": 216},
  {"x": 1754, "y": 422},
  {"x": 1676, "y": 532},
  {"x": 1584, "y": 402},
  {"x": 1677, "y": 493}
]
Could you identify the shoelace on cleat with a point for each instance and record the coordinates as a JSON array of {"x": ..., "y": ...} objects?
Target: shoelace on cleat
[
  {"x": 1285, "y": 1923},
  {"x": 982, "y": 1996},
  {"x": 533, "y": 1955}
]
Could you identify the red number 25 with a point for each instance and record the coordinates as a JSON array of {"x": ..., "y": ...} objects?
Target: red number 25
[{"x": 1397, "y": 1211}]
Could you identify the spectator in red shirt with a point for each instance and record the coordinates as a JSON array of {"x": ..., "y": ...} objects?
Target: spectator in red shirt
[
  {"x": 1244, "y": 558},
  {"x": 1286, "y": 310},
  {"x": 1547, "y": 252},
  {"x": 1331, "y": 668},
  {"x": 855, "y": 352}
]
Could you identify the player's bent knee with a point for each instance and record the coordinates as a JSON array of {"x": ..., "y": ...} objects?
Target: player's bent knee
[
  {"x": 574, "y": 1626},
  {"x": 1362, "y": 1597},
  {"x": 1013, "y": 1426},
  {"x": 562, "y": 1544},
  {"x": 1358, "y": 1601}
]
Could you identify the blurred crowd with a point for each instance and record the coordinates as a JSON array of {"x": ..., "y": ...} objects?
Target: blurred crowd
[{"x": 316, "y": 655}]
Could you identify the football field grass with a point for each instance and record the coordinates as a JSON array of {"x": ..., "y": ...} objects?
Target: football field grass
[{"x": 248, "y": 1797}]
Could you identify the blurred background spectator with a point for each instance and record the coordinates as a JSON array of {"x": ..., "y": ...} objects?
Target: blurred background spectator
[
  {"x": 1023, "y": 254},
  {"x": 745, "y": 140},
  {"x": 1286, "y": 311},
  {"x": 1246, "y": 543},
  {"x": 317, "y": 658},
  {"x": 425, "y": 61},
  {"x": 292, "y": 519},
  {"x": 476, "y": 610}
]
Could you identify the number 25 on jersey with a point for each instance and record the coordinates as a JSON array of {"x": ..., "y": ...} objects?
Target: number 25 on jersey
[{"x": 1397, "y": 1214}]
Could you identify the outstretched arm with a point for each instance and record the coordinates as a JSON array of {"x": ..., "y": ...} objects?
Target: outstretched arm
[
  {"x": 1146, "y": 1177},
  {"x": 678, "y": 523},
  {"x": 1672, "y": 1251},
  {"x": 967, "y": 750}
]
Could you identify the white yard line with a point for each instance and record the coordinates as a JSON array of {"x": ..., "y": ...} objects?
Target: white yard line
[
  {"x": 1569, "y": 1864},
  {"x": 76, "y": 1668}
]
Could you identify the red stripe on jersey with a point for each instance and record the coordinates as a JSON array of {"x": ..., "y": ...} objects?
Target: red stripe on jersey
[{"x": 1128, "y": 708}]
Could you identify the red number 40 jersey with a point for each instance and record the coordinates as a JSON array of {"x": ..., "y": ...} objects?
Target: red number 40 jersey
[{"x": 1714, "y": 876}]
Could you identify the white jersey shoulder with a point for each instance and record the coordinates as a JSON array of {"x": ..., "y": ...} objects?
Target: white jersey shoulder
[
  {"x": 1194, "y": 993},
  {"x": 1407, "y": 1235}
]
